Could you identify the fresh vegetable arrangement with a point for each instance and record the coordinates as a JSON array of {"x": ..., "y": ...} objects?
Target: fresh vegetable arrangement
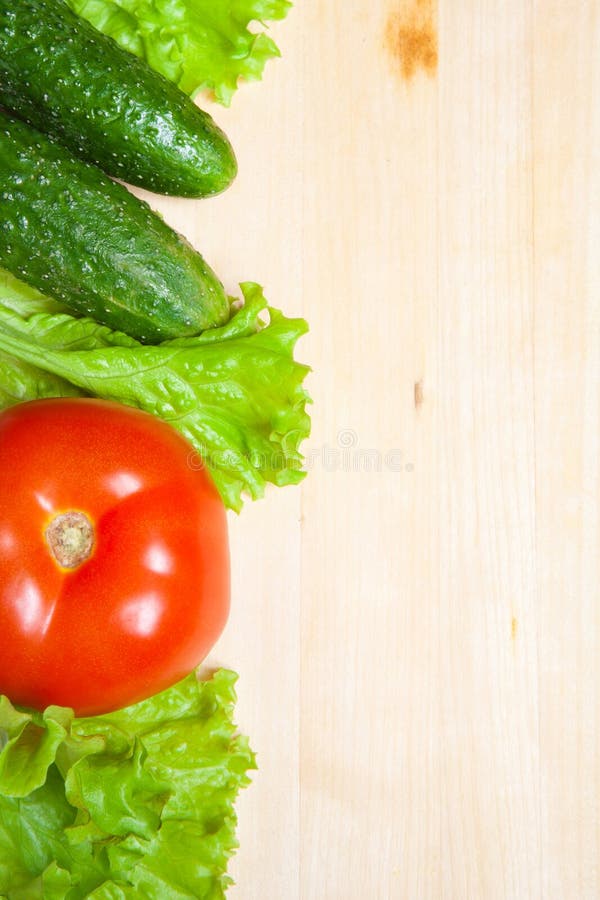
[{"x": 156, "y": 402}]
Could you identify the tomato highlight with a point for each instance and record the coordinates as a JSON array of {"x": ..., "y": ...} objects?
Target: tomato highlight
[{"x": 114, "y": 558}]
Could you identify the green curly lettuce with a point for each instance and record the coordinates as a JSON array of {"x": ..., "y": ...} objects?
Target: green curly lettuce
[
  {"x": 235, "y": 392},
  {"x": 198, "y": 44},
  {"x": 136, "y": 803}
]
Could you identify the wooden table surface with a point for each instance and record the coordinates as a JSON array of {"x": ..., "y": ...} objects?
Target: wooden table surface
[{"x": 417, "y": 629}]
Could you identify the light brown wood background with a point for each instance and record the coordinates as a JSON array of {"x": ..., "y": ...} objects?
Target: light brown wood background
[{"x": 417, "y": 629}]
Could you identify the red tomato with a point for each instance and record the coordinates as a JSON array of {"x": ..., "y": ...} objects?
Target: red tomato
[{"x": 114, "y": 560}]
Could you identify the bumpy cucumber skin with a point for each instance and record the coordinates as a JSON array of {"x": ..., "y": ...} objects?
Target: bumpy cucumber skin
[
  {"x": 71, "y": 232},
  {"x": 76, "y": 84}
]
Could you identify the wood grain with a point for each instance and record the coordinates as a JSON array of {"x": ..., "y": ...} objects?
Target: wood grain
[
  {"x": 567, "y": 370},
  {"x": 417, "y": 630}
]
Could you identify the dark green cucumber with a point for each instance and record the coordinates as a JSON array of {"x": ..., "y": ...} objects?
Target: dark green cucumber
[
  {"x": 71, "y": 232},
  {"x": 76, "y": 84}
]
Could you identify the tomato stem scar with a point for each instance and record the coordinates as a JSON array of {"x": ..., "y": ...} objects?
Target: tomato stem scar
[{"x": 70, "y": 537}]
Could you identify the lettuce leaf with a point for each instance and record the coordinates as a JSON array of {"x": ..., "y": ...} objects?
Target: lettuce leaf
[
  {"x": 235, "y": 392},
  {"x": 21, "y": 381},
  {"x": 136, "y": 803},
  {"x": 198, "y": 44}
]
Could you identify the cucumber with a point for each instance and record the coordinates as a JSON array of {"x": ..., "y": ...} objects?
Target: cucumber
[
  {"x": 69, "y": 80},
  {"x": 72, "y": 233}
]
